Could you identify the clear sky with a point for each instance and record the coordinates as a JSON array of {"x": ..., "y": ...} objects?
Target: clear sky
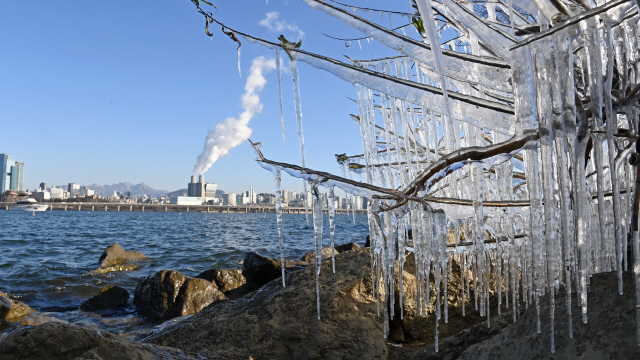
[{"x": 126, "y": 90}]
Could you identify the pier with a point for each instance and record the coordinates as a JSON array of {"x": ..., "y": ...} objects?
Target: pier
[{"x": 237, "y": 209}]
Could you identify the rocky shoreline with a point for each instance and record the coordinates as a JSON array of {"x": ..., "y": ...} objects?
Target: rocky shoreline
[{"x": 247, "y": 314}]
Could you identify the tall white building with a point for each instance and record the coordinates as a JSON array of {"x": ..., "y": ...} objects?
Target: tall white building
[
  {"x": 288, "y": 196},
  {"x": 74, "y": 190},
  {"x": 250, "y": 197},
  {"x": 59, "y": 193}
]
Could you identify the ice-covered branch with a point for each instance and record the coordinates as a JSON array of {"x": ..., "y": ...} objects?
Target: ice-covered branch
[{"x": 473, "y": 153}]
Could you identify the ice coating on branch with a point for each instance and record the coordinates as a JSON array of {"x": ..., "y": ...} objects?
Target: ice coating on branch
[
  {"x": 498, "y": 118},
  {"x": 231, "y": 132},
  {"x": 476, "y": 71}
]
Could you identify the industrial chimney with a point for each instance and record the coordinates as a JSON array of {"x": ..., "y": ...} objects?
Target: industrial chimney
[{"x": 193, "y": 179}]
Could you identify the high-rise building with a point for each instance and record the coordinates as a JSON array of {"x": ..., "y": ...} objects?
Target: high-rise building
[
  {"x": 43, "y": 186},
  {"x": 74, "y": 190},
  {"x": 210, "y": 190},
  {"x": 11, "y": 174}
]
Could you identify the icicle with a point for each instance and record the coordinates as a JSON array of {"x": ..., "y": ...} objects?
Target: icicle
[
  {"x": 359, "y": 44},
  {"x": 636, "y": 276},
  {"x": 371, "y": 15},
  {"x": 277, "y": 177},
  {"x": 332, "y": 226},
  {"x": 401, "y": 253},
  {"x": 277, "y": 50},
  {"x": 390, "y": 23},
  {"x": 317, "y": 234},
  {"x": 298, "y": 106},
  {"x": 239, "y": 69}
]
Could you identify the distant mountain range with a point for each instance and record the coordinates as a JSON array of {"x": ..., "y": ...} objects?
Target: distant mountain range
[{"x": 136, "y": 189}]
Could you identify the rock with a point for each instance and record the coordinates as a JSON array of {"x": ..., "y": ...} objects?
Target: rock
[
  {"x": 115, "y": 258},
  {"x": 279, "y": 322},
  {"x": 36, "y": 319},
  {"x": 609, "y": 334},
  {"x": 13, "y": 310},
  {"x": 260, "y": 270},
  {"x": 367, "y": 243},
  {"x": 453, "y": 346},
  {"x": 59, "y": 341},
  {"x": 225, "y": 279},
  {"x": 325, "y": 253},
  {"x": 168, "y": 294},
  {"x": 109, "y": 297},
  {"x": 348, "y": 247}
]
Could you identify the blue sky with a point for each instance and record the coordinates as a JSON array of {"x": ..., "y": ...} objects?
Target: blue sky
[{"x": 114, "y": 91}]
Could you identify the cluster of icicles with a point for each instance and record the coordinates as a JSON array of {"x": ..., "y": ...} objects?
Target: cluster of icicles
[{"x": 539, "y": 220}]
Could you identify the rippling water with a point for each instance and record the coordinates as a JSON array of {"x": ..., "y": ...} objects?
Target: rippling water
[{"x": 45, "y": 259}]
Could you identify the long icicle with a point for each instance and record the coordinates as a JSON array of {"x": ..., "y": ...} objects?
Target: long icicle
[
  {"x": 277, "y": 51},
  {"x": 317, "y": 234},
  {"x": 332, "y": 225},
  {"x": 298, "y": 106},
  {"x": 277, "y": 177}
]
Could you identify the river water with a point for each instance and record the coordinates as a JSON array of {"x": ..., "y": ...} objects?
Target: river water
[{"x": 46, "y": 259}]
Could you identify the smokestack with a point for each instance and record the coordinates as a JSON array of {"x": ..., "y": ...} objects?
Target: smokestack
[
  {"x": 202, "y": 179},
  {"x": 193, "y": 179}
]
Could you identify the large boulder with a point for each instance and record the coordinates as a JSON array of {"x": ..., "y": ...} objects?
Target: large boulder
[
  {"x": 260, "y": 270},
  {"x": 325, "y": 253},
  {"x": 277, "y": 322},
  {"x": 609, "y": 334},
  {"x": 109, "y": 297},
  {"x": 348, "y": 247},
  {"x": 225, "y": 279},
  {"x": 115, "y": 258},
  {"x": 60, "y": 341},
  {"x": 13, "y": 310},
  {"x": 169, "y": 294}
]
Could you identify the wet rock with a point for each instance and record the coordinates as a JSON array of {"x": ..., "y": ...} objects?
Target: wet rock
[
  {"x": 115, "y": 258},
  {"x": 277, "y": 322},
  {"x": 609, "y": 334},
  {"x": 325, "y": 253},
  {"x": 169, "y": 294},
  {"x": 348, "y": 247},
  {"x": 36, "y": 319},
  {"x": 59, "y": 341},
  {"x": 260, "y": 270},
  {"x": 13, "y": 310},
  {"x": 225, "y": 279},
  {"x": 109, "y": 297}
]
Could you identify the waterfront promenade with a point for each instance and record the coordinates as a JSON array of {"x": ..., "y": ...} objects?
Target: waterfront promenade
[{"x": 176, "y": 208}]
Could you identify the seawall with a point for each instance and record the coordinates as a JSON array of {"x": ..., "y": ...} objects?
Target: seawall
[{"x": 174, "y": 208}]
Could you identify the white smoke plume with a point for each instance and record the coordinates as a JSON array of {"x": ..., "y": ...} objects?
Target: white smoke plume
[{"x": 231, "y": 132}]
